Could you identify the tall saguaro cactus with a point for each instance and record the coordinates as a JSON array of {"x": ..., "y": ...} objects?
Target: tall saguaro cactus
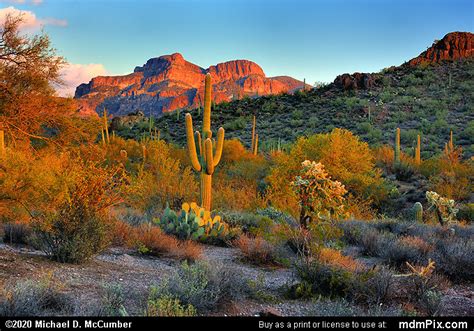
[
  {"x": 418, "y": 151},
  {"x": 2, "y": 144},
  {"x": 106, "y": 127},
  {"x": 397, "y": 146},
  {"x": 204, "y": 159},
  {"x": 254, "y": 146}
]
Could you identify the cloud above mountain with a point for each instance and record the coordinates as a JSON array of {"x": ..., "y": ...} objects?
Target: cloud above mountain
[
  {"x": 76, "y": 74},
  {"x": 30, "y": 20}
]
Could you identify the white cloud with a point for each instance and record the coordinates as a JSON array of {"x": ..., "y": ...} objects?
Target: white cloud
[
  {"x": 76, "y": 74},
  {"x": 30, "y": 21},
  {"x": 22, "y": 2}
]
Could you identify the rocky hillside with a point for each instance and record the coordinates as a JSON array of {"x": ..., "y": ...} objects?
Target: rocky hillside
[
  {"x": 170, "y": 82},
  {"x": 429, "y": 95}
]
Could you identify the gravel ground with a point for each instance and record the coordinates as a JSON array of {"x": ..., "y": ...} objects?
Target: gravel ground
[{"x": 136, "y": 273}]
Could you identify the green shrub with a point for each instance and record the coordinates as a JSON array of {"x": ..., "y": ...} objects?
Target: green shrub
[
  {"x": 30, "y": 298},
  {"x": 167, "y": 306},
  {"x": 202, "y": 285},
  {"x": 16, "y": 233}
]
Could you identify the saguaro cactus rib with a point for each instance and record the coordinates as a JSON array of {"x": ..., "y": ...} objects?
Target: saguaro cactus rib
[{"x": 203, "y": 159}]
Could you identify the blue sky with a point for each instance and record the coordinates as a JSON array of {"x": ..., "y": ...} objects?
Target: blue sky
[{"x": 316, "y": 40}]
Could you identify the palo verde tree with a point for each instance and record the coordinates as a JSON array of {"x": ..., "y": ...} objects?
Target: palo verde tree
[{"x": 29, "y": 71}]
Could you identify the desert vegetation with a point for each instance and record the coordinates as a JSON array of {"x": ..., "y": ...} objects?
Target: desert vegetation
[{"x": 317, "y": 215}]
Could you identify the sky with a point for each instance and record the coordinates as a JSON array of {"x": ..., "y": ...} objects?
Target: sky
[{"x": 314, "y": 40}]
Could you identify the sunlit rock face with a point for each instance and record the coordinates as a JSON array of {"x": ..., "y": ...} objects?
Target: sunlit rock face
[
  {"x": 453, "y": 46},
  {"x": 169, "y": 82}
]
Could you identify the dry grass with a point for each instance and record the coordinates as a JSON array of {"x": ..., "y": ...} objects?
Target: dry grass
[
  {"x": 257, "y": 250},
  {"x": 152, "y": 240},
  {"x": 334, "y": 258}
]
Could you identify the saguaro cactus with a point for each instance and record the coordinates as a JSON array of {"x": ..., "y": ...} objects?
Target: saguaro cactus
[
  {"x": 2, "y": 144},
  {"x": 204, "y": 160},
  {"x": 252, "y": 147},
  {"x": 418, "y": 211},
  {"x": 255, "y": 146},
  {"x": 106, "y": 127},
  {"x": 397, "y": 146},
  {"x": 418, "y": 151}
]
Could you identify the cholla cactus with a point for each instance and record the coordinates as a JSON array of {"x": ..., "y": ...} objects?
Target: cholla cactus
[
  {"x": 418, "y": 211},
  {"x": 319, "y": 195},
  {"x": 444, "y": 207},
  {"x": 204, "y": 160}
]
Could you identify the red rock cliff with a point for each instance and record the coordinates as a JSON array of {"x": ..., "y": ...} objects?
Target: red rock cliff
[
  {"x": 453, "y": 46},
  {"x": 170, "y": 82}
]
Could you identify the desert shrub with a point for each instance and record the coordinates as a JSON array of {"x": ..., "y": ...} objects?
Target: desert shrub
[
  {"x": 35, "y": 298},
  {"x": 77, "y": 225},
  {"x": 242, "y": 220},
  {"x": 277, "y": 216},
  {"x": 377, "y": 288},
  {"x": 16, "y": 233},
  {"x": 121, "y": 233},
  {"x": 375, "y": 242},
  {"x": 403, "y": 171},
  {"x": 405, "y": 249},
  {"x": 167, "y": 306},
  {"x": 257, "y": 250},
  {"x": 324, "y": 279},
  {"x": 335, "y": 258},
  {"x": 161, "y": 179},
  {"x": 204, "y": 286},
  {"x": 353, "y": 231},
  {"x": 466, "y": 213},
  {"x": 454, "y": 178},
  {"x": 453, "y": 257},
  {"x": 112, "y": 301},
  {"x": 151, "y": 240},
  {"x": 346, "y": 158}
]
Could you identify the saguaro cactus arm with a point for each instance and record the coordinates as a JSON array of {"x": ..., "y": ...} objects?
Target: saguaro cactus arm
[
  {"x": 191, "y": 143},
  {"x": 209, "y": 157},
  {"x": 220, "y": 146},
  {"x": 206, "y": 122}
]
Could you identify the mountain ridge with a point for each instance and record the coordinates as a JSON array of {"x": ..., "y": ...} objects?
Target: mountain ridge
[{"x": 169, "y": 82}]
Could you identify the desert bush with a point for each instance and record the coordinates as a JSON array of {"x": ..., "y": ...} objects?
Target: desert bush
[
  {"x": 243, "y": 220},
  {"x": 16, "y": 233},
  {"x": 324, "y": 279},
  {"x": 453, "y": 257},
  {"x": 161, "y": 179},
  {"x": 405, "y": 249},
  {"x": 375, "y": 242},
  {"x": 151, "y": 240},
  {"x": 204, "y": 286},
  {"x": 77, "y": 225},
  {"x": 346, "y": 158},
  {"x": 167, "y": 306},
  {"x": 112, "y": 301},
  {"x": 121, "y": 233},
  {"x": 257, "y": 250},
  {"x": 466, "y": 213},
  {"x": 334, "y": 257},
  {"x": 35, "y": 298}
]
